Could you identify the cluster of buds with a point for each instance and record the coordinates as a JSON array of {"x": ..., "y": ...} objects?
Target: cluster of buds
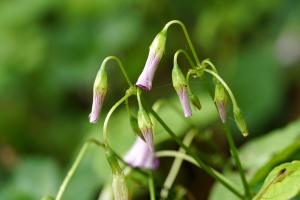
[{"x": 99, "y": 93}]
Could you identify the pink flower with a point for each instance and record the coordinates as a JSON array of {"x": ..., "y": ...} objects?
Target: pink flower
[
  {"x": 99, "y": 93},
  {"x": 155, "y": 54},
  {"x": 184, "y": 100},
  {"x": 140, "y": 155}
]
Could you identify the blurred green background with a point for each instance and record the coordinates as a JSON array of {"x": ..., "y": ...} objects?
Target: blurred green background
[{"x": 50, "y": 51}]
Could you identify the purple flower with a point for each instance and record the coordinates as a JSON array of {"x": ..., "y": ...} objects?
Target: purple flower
[
  {"x": 140, "y": 155},
  {"x": 98, "y": 99},
  {"x": 99, "y": 93},
  {"x": 180, "y": 86},
  {"x": 156, "y": 51},
  {"x": 184, "y": 100}
]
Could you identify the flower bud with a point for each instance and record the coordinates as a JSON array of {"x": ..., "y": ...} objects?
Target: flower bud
[
  {"x": 113, "y": 162},
  {"x": 99, "y": 93},
  {"x": 195, "y": 100},
  {"x": 119, "y": 187},
  {"x": 220, "y": 101},
  {"x": 140, "y": 155},
  {"x": 48, "y": 198},
  {"x": 156, "y": 52},
  {"x": 146, "y": 127},
  {"x": 134, "y": 125},
  {"x": 106, "y": 193},
  {"x": 180, "y": 85},
  {"x": 240, "y": 121}
]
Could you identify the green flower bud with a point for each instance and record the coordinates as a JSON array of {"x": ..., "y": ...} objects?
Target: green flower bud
[
  {"x": 195, "y": 100},
  {"x": 240, "y": 121},
  {"x": 220, "y": 101},
  {"x": 135, "y": 126},
  {"x": 113, "y": 162},
  {"x": 119, "y": 187},
  {"x": 159, "y": 43}
]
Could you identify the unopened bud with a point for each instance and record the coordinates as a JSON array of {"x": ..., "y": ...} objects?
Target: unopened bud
[
  {"x": 240, "y": 121},
  {"x": 156, "y": 52},
  {"x": 146, "y": 127},
  {"x": 99, "y": 93},
  {"x": 220, "y": 101},
  {"x": 134, "y": 125},
  {"x": 113, "y": 162},
  {"x": 119, "y": 187},
  {"x": 180, "y": 85},
  {"x": 195, "y": 100}
]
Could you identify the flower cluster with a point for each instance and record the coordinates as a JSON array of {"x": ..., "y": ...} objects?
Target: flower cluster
[{"x": 142, "y": 153}]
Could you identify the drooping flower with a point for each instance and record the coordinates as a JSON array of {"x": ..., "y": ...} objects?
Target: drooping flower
[
  {"x": 146, "y": 127},
  {"x": 180, "y": 85},
  {"x": 99, "y": 93},
  {"x": 155, "y": 54},
  {"x": 220, "y": 101},
  {"x": 140, "y": 155}
]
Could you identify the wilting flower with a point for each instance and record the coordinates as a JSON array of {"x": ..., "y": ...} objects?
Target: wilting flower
[
  {"x": 180, "y": 85},
  {"x": 220, "y": 101},
  {"x": 140, "y": 155},
  {"x": 240, "y": 121},
  {"x": 155, "y": 54},
  {"x": 99, "y": 93}
]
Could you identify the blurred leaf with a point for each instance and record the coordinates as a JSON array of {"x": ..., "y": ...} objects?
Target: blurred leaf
[
  {"x": 283, "y": 182},
  {"x": 32, "y": 179},
  {"x": 259, "y": 156}
]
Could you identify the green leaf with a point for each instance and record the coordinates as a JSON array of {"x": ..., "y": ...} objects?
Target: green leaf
[
  {"x": 283, "y": 182},
  {"x": 259, "y": 156}
]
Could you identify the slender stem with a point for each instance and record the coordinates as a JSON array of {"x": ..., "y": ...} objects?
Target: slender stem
[
  {"x": 151, "y": 186},
  {"x": 115, "y": 106},
  {"x": 139, "y": 91},
  {"x": 176, "y": 164},
  {"x": 235, "y": 155},
  {"x": 210, "y": 64},
  {"x": 216, "y": 175},
  {"x": 75, "y": 166},
  {"x": 215, "y": 75},
  {"x": 181, "y": 51},
  {"x": 186, "y": 34},
  {"x": 121, "y": 66},
  {"x": 177, "y": 154}
]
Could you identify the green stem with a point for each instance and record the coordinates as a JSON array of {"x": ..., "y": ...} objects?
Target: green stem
[
  {"x": 121, "y": 66},
  {"x": 215, "y": 75},
  {"x": 235, "y": 155},
  {"x": 216, "y": 175},
  {"x": 181, "y": 51},
  {"x": 177, "y": 154},
  {"x": 176, "y": 163},
  {"x": 207, "y": 62},
  {"x": 186, "y": 34},
  {"x": 129, "y": 92},
  {"x": 151, "y": 186},
  {"x": 75, "y": 166}
]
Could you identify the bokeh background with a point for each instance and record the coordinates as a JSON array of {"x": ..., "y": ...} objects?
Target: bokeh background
[{"x": 50, "y": 51}]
